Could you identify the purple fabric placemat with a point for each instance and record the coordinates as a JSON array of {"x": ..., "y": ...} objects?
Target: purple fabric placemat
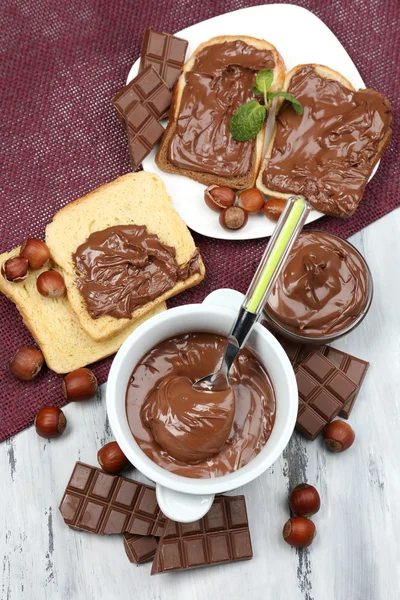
[{"x": 61, "y": 63}]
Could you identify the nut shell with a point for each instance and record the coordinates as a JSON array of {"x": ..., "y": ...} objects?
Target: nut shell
[
  {"x": 219, "y": 197},
  {"x": 50, "y": 284},
  {"x": 273, "y": 208},
  {"x": 304, "y": 500},
  {"x": 15, "y": 269},
  {"x": 36, "y": 252},
  {"x": 111, "y": 458},
  {"x": 339, "y": 436},
  {"x": 233, "y": 217},
  {"x": 50, "y": 422},
  {"x": 80, "y": 384},
  {"x": 299, "y": 532},
  {"x": 26, "y": 363}
]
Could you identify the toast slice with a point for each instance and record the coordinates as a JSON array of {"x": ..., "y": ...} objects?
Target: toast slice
[
  {"x": 330, "y": 164},
  {"x": 55, "y": 326},
  {"x": 136, "y": 198},
  {"x": 193, "y": 72}
]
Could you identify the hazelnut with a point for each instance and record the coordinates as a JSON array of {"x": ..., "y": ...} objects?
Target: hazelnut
[
  {"x": 111, "y": 458},
  {"x": 26, "y": 363},
  {"x": 273, "y": 208},
  {"x": 80, "y": 384},
  {"x": 299, "y": 532},
  {"x": 251, "y": 200},
  {"x": 36, "y": 252},
  {"x": 50, "y": 284},
  {"x": 339, "y": 436},
  {"x": 233, "y": 217},
  {"x": 50, "y": 422},
  {"x": 15, "y": 269},
  {"x": 304, "y": 500},
  {"x": 219, "y": 197}
]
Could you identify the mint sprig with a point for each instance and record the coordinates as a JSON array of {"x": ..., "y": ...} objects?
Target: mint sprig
[{"x": 248, "y": 120}]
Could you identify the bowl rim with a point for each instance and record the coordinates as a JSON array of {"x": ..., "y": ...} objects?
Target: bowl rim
[
  {"x": 181, "y": 483},
  {"x": 326, "y": 339}
]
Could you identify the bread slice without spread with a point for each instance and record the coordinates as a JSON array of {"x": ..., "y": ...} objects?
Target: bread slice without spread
[
  {"x": 136, "y": 198},
  {"x": 208, "y": 178},
  {"x": 55, "y": 326},
  {"x": 328, "y": 73}
]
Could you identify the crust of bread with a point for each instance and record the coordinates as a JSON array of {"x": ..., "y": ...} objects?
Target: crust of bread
[
  {"x": 328, "y": 73},
  {"x": 136, "y": 198},
  {"x": 207, "y": 178},
  {"x": 55, "y": 326}
]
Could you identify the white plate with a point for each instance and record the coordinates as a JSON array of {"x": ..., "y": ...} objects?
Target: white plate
[{"x": 300, "y": 37}]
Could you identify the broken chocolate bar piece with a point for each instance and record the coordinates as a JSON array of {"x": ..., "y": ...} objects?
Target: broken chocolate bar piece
[
  {"x": 149, "y": 90},
  {"x": 323, "y": 391},
  {"x": 106, "y": 504},
  {"x": 140, "y": 548},
  {"x": 221, "y": 536},
  {"x": 165, "y": 53},
  {"x": 143, "y": 132}
]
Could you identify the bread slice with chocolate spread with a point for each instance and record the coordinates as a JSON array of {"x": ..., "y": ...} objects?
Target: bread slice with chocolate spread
[
  {"x": 328, "y": 153},
  {"x": 215, "y": 82}
]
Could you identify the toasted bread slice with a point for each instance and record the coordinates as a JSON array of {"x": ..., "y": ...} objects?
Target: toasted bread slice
[
  {"x": 55, "y": 326},
  {"x": 239, "y": 182},
  {"x": 136, "y": 198},
  {"x": 323, "y": 198}
]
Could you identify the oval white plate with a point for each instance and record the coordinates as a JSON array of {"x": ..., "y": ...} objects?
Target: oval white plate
[{"x": 300, "y": 37}]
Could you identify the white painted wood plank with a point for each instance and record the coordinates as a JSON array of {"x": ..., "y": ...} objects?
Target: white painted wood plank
[{"x": 355, "y": 555}]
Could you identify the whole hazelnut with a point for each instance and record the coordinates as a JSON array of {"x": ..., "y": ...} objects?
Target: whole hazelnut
[
  {"x": 251, "y": 200},
  {"x": 15, "y": 269},
  {"x": 339, "y": 436},
  {"x": 219, "y": 197},
  {"x": 111, "y": 458},
  {"x": 233, "y": 217},
  {"x": 304, "y": 500},
  {"x": 26, "y": 363},
  {"x": 50, "y": 284},
  {"x": 273, "y": 208},
  {"x": 36, "y": 252},
  {"x": 50, "y": 422},
  {"x": 80, "y": 384},
  {"x": 299, "y": 532}
]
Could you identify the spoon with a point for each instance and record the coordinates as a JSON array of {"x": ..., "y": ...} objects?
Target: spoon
[{"x": 281, "y": 242}]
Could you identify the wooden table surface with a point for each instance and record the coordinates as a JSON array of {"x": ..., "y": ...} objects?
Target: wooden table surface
[{"x": 356, "y": 554}]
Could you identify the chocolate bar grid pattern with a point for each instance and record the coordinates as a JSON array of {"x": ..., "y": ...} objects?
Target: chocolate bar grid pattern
[
  {"x": 355, "y": 368},
  {"x": 140, "y": 548},
  {"x": 149, "y": 90},
  {"x": 106, "y": 504},
  {"x": 165, "y": 53},
  {"x": 143, "y": 133},
  {"x": 221, "y": 536},
  {"x": 323, "y": 391}
]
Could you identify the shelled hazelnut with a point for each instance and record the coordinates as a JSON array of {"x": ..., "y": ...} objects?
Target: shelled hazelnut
[
  {"x": 219, "y": 197},
  {"x": 50, "y": 422},
  {"x": 339, "y": 436},
  {"x": 251, "y": 200},
  {"x": 299, "y": 532},
  {"x": 304, "y": 500},
  {"x": 111, "y": 458},
  {"x": 50, "y": 284},
  {"x": 15, "y": 269}
]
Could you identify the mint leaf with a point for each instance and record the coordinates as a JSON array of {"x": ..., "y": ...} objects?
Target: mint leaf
[
  {"x": 296, "y": 105},
  {"x": 256, "y": 91},
  {"x": 247, "y": 121},
  {"x": 264, "y": 80}
]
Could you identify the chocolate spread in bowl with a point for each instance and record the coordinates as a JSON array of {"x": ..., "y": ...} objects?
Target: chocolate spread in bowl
[
  {"x": 200, "y": 432},
  {"x": 327, "y": 153},
  {"x": 323, "y": 287},
  {"x": 124, "y": 267},
  {"x": 219, "y": 82}
]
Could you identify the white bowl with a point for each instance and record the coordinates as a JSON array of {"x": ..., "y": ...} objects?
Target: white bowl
[{"x": 187, "y": 499}]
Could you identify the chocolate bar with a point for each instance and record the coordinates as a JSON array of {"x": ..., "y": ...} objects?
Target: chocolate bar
[
  {"x": 140, "y": 548},
  {"x": 354, "y": 368},
  {"x": 323, "y": 391},
  {"x": 221, "y": 536},
  {"x": 107, "y": 504},
  {"x": 165, "y": 53},
  {"x": 143, "y": 133},
  {"x": 149, "y": 90}
]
